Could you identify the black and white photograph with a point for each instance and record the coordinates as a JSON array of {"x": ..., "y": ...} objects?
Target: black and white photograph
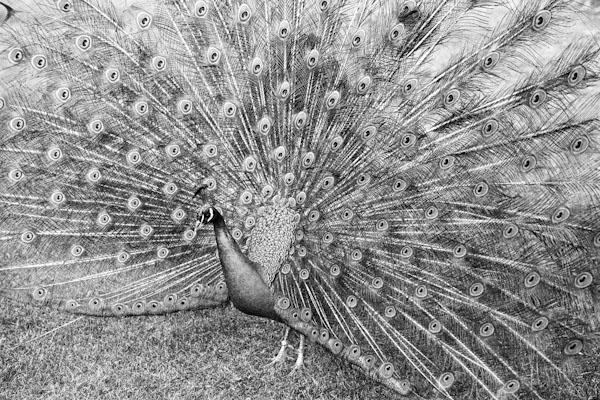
[{"x": 300, "y": 199}]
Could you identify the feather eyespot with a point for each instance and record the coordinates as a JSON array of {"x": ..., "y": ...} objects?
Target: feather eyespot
[
  {"x": 541, "y": 20},
  {"x": 144, "y": 20},
  {"x": 386, "y": 370},
  {"x": 284, "y": 90},
  {"x": 390, "y": 311},
  {"x": 213, "y": 55},
  {"x": 279, "y": 154},
  {"x": 529, "y": 163},
  {"x": 146, "y": 231},
  {"x": 481, "y": 189},
  {"x": 250, "y": 164},
  {"x": 490, "y": 61},
  {"x": 303, "y": 274},
  {"x": 288, "y": 179},
  {"x": 63, "y": 94},
  {"x": 435, "y": 326},
  {"x": 246, "y": 197},
  {"x": 447, "y": 380},
  {"x": 134, "y": 203},
  {"x": 103, "y": 219},
  {"x": 300, "y": 120},
  {"x": 459, "y": 251},
  {"x": 447, "y": 162},
  {"x": 359, "y": 38},
  {"x": 39, "y": 62},
  {"x": 363, "y": 179},
  {"x": 532, "y": 279},
  {"x": 312, "y": 59},
  {"x": 159, "y": 63},
  {"x": 54, "y": 154},
  {"x": 27, "y": 237},
  {"x": 332, "y": 100},
  {"x": 283, "y": 303},
  {"x": 141, "y": 107},
  {"x": 537, "y": 98},
  {"x": 64, "y": 5},
  {"x": 421, "y": 291},
  {"x": 396, "y": 33},
  {"x": 400, "y": 185},
  {"x": 335, "y": 271},
  {"x": 476, "y": 289},
  {"x": 347, "y": 214},
  {"x": 539, "y": 324},
  {"x": 170, "y": 188},
  {"x": 200, "y": 9},
  {"x": 123, "y": 257},
  {"x": 300, "y": 197},
  {"x": 17, "y": 124},
  {"x": 210, "y": 150},
  {"x": 83, "y": 42},
  {"x": 185, "y": 106},
  {"x": 256, "y": 66},
  {"x": 382, "y": 225},
  {"x": 410, "y": 86},
  {"x": 16, "y": 55},
  {"x": 2, "y": 103},
  {"x": 112, "y": 75},
  {"x": 283, "y": 31},
  {"x": 490, "y": 128},
  {"x": 133, "y": 157},
  {"x": 510, "y": 231},
  {"x": 432, "y": 213},
  {"x": 576, "y": 76},
  {"x": 351, "y": 301},
  {"x": 336, "y": 142},
  {"x": 452, "y": 97},
  {"x": 229, "y": 109},
  {"x": 408, "y": 140},
  {"x": 244, "y": 13},
  {"x": 93, "y": 175},
  {"x": 368, "y": 132},
  {"x": 580, "y": 145},
  {"x": 362, "y": 86},
  {"x": 173, "y": 150},
  {"x": 574, "y": 347},
  {"x": 57, "y": 198},
  {"x": 314, "y": 216},
  {"x": 512, "y": 386},
  {"x": 487, "y": 329},
  {"x": 95, "y": 127},
  {"x": 583, "y": 280},
  {"x": 39, "y": 294},
  {"x": 264, "y": 125},
  {"x": 356, "y": 255},
  {"x": 327, "y": 182},
  {"x": 406, "y": 252},
  {"x": 15, "y": 175},
  {"x": 408, "y": 7},
  {"x": 561, "y": 214},
  {"x": 324, "y": 5}
]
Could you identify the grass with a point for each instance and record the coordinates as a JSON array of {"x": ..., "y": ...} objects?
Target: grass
[{"x": 208, "y": 354}]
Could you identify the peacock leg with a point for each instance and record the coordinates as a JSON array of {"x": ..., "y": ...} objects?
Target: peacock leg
[
  {"x": 300, "y": 360},
  {"x": 282, "y": 354}
]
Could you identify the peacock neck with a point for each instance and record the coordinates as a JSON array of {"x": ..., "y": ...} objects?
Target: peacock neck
[{"x": 248, "y": 291}]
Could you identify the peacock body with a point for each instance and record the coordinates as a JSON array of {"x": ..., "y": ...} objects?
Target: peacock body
[{"x": 412, "y": 184}]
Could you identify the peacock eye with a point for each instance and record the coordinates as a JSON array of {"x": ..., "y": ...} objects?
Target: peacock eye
[
  {"x": 83, "y": 42},
  {"x": 213, "y": 55},
  {"x": 362, "y": 86},
  {"x": 409, "y": 86},
  {"x": 16, "y": 55},
  {"x": 490, "y": 127},
  {"x": 39, "y": 62},
  {"x": 256, "y": 66},
  {"x": 452, "y": 97},
  {"x": 541, "y": 20},
  {"x": 358, "y": 38},
  {"x": 144, "y": 20},
  {"x": 64, "y": 5},
  {"x": 312, "y": 59},
  {"x": 200, "y": 9},
  {"x": 244, "y": 13},
  {"x": 397, "y": 33},
  {"x": 284, "y": 30},
  {"x": 324, "y": 5},
  {"x": 490, "y": 61},
  {"x": 537, "y": 98}
]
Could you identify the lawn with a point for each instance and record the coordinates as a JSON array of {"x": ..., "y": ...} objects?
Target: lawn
[{"x": 208, "y": 354}]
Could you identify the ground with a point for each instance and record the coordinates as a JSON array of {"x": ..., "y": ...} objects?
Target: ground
[{"x": 208, "y": 354}]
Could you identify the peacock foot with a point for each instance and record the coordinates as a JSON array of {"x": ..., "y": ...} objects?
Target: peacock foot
[
  {"x": 300, "y": 359},
  {"x": 282, "y": 355}
]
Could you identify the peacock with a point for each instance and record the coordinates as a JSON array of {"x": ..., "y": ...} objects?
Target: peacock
[{"x": 412, "y": 184}]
